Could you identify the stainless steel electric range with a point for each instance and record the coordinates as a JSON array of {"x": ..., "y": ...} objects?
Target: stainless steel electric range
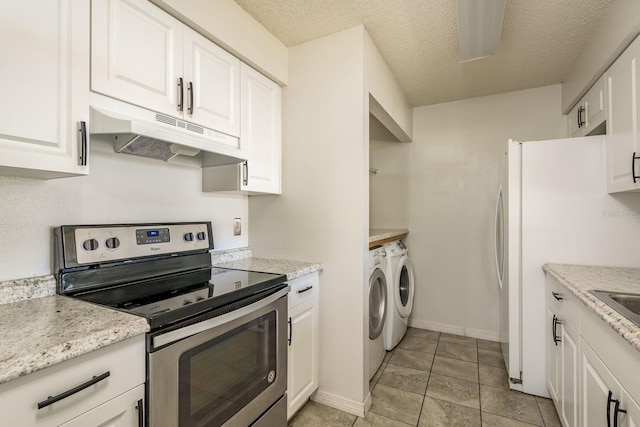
[{"x": 217, "y": 349}]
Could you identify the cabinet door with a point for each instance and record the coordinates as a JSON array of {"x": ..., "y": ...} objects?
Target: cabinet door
[
  {"x": 597, "y": 382},
  {"x": 122, "y": 411},
  {"x": 45, "y": 76},
  {"x": 569, "y": 398},
  {"x": 594, "y": 105},
  {"x": 212, "y": 79},
  {"x": 576, "y": 121},
  {"x": 622, "y": 124},
  {"x": 632, "y": 416},
  {"x": 136, "y": 54},
  {"x": 260, "y": 132},
  {"x": 553, "y": 358},
  {"x": 302, "y": 367}
]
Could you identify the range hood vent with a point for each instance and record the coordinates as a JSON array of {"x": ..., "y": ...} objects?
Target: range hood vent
[{"x": 145, "y": 133}]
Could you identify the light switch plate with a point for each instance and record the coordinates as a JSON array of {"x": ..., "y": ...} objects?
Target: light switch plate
[{"x": 237, "y": 226}]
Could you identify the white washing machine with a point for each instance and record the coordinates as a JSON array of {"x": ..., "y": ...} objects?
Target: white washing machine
[
  {"x": 377, "y": 307},
  {"x": 400, "y": 291}
]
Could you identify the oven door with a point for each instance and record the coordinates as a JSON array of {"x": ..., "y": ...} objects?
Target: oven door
[{"x": 228, "y": 373}]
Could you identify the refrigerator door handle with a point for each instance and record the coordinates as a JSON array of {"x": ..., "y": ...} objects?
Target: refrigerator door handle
[{"x": 499, "y": 224}]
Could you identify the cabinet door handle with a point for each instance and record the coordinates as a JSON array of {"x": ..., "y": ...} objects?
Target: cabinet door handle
[
  {"x": 83, "y": 143},
  {"x": 140, "y": 409},
  {"x": 308, "y": 288},
  {"x": 290, "y": 332},
  {"x": 180, "y": 95},
  {"x": 617, "y": 411},
  {"x": 557, "y": 296},
  {"x": 245, "y": 173},
  {"x": 556, "y": 321},
  {"x": 609, "y": 402},
  {"x": 581, "y": 121},
  {"x": 53, "y": 399},
  {"x": 190, "y": 109},
  {"x": 633, "y": 167}
]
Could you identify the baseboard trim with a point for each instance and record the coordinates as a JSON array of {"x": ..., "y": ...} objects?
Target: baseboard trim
[
  {"x": 344, "y": 404},
  {"x": 440, "y": 327}
]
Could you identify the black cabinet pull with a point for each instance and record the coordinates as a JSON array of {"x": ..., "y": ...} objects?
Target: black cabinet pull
[
  {"x": 581, "y": 121},
  {"x": 180, "y": 95},
  {"x": 633, "y": 167},
  {"x": 190, "y": 98},
  {"x": 290, "y": 331},
  {"x": 53, "y": 399},
  {"x": 557, "y": 296},
  {"x": 308, "y": 288},
  {"x": 83, "y": 143},
  {"x": 554, "y": 326},
  {"x": 245, "y": 173},
  {"x": 617, "y": 411},
  {"x": 140, "y": 409},
  {"x": 609, "y": 402}
]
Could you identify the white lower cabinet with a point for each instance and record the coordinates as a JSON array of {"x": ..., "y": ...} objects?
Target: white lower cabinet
[
  {"x": 604, "y": 400},
  {"x": 592, "y": 372},
  {"x": 302, "y": 365},
  {"x": 126, "y": 410},
  {"x": 101, "y": 388}
]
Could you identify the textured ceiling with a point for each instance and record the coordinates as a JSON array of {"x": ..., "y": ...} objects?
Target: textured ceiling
[{"x": 419, "y": 40}]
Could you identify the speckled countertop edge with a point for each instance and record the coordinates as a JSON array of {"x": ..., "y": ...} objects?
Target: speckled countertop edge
[
  {"x": 292, "y": 269},
  {"x": 377, "y": 234},
  {"x": 229, "y": 255},
  {"x": 579, "y": 280},
  {"x": 39, "y": 329}
]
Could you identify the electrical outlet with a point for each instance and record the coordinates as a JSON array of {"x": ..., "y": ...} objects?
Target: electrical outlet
[{"x": 237, "y": 226}]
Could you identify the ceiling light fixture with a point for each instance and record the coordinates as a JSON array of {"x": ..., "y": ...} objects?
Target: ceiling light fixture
[{"x": 479, "y": 27}]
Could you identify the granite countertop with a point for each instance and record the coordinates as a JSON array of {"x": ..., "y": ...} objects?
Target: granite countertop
[
  {"x": 580, "y": 279},
  {"x": 384, "y": 235},
  {"x": 292, "y": 269},
  {"x": 38, "y": 331}
]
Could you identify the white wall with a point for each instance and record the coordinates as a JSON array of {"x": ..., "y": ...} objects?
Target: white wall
[
  {"x": 454, "y": 163},
  {"x": 119, "y": 189},
  {"x": 389, "y": 104},
  {"x": 230, "y": 26},
  {"x": 389, "y": 188},
  {"x": 322, "y": 213}
]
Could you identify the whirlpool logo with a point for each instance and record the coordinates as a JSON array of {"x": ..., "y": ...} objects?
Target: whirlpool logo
[{"x": 154, "y": 248}]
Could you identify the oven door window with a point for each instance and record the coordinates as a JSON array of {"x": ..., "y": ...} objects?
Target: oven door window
[{"x": 218, "y": 378}]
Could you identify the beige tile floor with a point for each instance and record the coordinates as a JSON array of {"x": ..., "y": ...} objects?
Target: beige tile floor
[{"x": 435, "y": 379}]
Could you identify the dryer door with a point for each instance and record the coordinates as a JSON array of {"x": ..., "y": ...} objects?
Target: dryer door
[
  {"x": 404, "y": 287},
  {"x": 377, "y": 303}
]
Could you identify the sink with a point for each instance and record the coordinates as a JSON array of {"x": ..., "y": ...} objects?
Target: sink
[{"x": 627, "y": 304}]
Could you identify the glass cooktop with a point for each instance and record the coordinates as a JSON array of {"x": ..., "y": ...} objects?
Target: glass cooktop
[{"x": 177, "y": 297}]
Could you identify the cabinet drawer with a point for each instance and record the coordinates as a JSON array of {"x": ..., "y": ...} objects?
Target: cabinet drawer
[
  {"x": 303, "y": 289},
  {"x": 562, "y": 300},
  {"x": 124, "y": 361}
]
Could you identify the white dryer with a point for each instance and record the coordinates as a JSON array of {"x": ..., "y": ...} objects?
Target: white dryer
[
  {"x": 377, "y": 308},
  {"x": 400, "y": 291}
]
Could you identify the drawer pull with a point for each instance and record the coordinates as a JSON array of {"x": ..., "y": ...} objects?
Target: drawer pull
[
  {"x": 557, "y": 296},
  {"x": 53, "y": 399},
  {"x": 290, "y": 338},
  {"x": 308, "y": 288},
  {"x": 140, "y": 408}
]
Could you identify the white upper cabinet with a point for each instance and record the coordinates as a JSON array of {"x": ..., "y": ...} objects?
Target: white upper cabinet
[
  {"x": 136, "y": 54},
  {"x": 212, "y": 84},
  {"x": 143, "y": 56},
  {"x": 45, "y": 87},
  {"x": 622, "y": 121},
  {"x": 588, "y": 117},
  {"x": 261, "y": 131}
]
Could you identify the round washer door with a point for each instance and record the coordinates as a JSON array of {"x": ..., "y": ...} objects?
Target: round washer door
[
  {"x": 404, "y": 287},
  {"x": 377, "y": 303}
]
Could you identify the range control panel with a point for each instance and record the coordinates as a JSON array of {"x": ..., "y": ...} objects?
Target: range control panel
[{"x": 99, "y": 244}]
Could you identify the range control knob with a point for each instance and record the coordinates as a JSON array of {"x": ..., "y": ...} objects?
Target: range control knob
[
  {"x": 112, "y": 242},
  {"x": 90, "y": 245},
  {"x": 202, "y": 235},
  {"x": 188, "y": 237}
]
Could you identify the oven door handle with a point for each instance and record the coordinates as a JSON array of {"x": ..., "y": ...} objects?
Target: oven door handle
[{"x": 190, "y": 330}]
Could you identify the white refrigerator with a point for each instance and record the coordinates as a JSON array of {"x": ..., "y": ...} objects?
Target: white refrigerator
[{"x": 553, "y": 207}]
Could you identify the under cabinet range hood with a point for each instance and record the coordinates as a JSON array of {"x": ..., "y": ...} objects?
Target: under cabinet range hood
[{"x": 135, "y": 130}]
